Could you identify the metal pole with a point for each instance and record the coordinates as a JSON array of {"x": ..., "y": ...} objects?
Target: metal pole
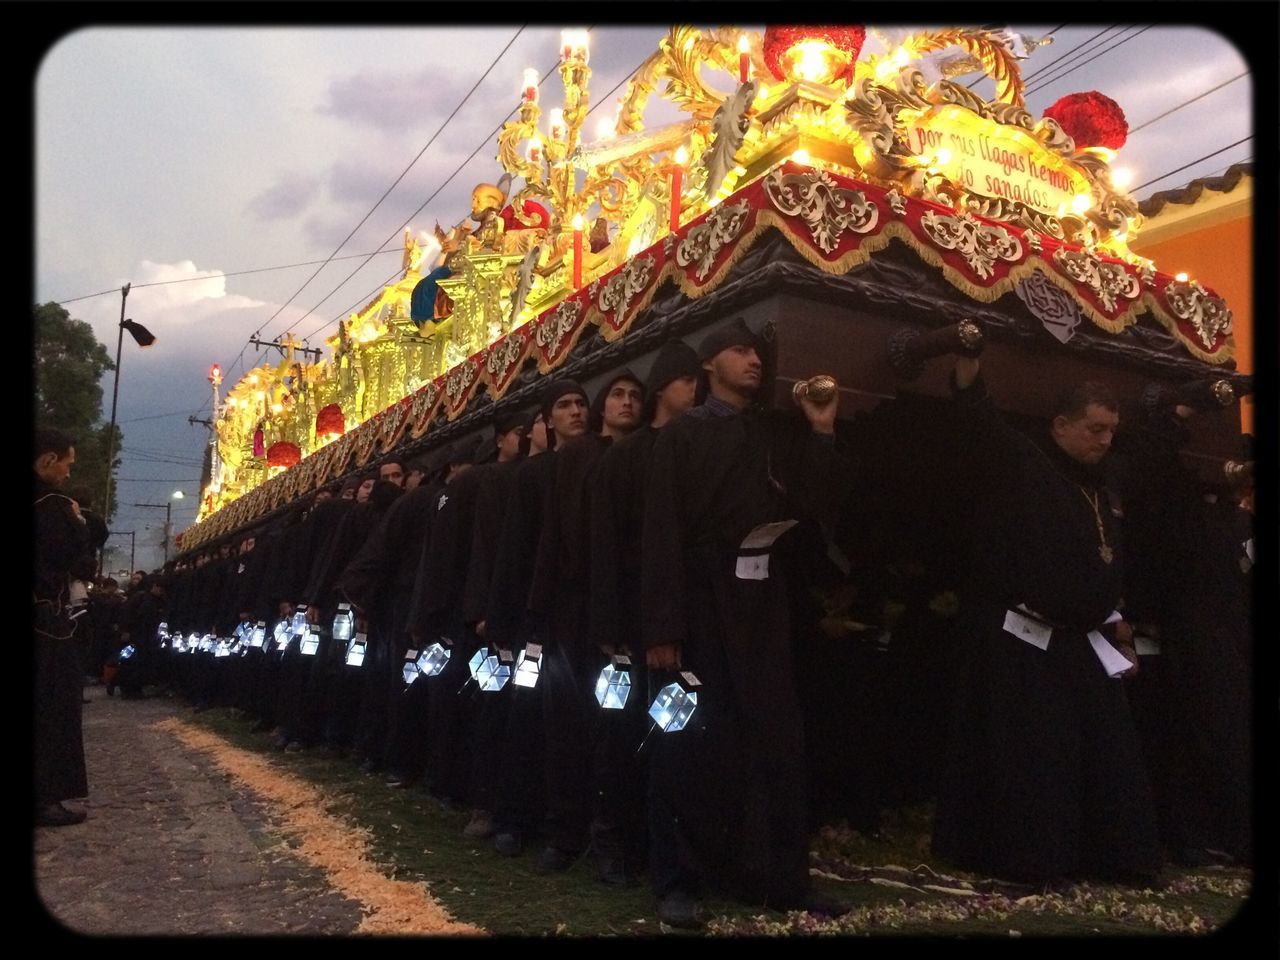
[
  {"x": 168, "y": 514},
  {"x": 111, "y": 431},
  {"x": 133, "y": 543}
]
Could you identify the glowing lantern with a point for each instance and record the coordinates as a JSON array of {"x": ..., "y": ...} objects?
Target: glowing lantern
[{"x": 818, "y": 54}]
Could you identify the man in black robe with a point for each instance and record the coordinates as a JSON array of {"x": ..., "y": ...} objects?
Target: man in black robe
[
  {"x": 491, "y": 711},
  {"x": 727, "y": 794},
  {"x": 618, "y": 829},
  {"x": 509, "y": 622},
  {"x": 1046, "y": 779},
  {"x": 1193, "y": 699},
  {"x": 570, "y": 664},
  {"x": 61, "y": 550},
  {"x": 439, "y": 611}
]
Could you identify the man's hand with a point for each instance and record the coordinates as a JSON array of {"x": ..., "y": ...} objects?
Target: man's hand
[
  {"x": 1122, "y": 640},
  {"x": 313, "y": 614},
  {"x": 480, "y": 629},
  {"x": 821, "y": 417},
  {"x": 665, "y": 657},
  {"x": 966, "y": 372}
]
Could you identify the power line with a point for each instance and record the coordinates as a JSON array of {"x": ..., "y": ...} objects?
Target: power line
[
  {"x": 1133, "y": 130},
  {"x": 233, "y": 273},
  {"x": 1041, "y": 84},
  {"x": 405, "y": 171},
  {"x": 1041, "y": 69},
  {"x": 366, "y": 298},
  {"x": 1191, "y": 164},
  {"x": 156, "y": 416}
]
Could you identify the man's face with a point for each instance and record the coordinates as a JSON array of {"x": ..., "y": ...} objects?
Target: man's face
[
  {"x": 53, "y": 469},
  {"x": 136, "y": 577},
  {"x": 413, "y": 480},
  {"x": 569, "y": 416},
  {"x": 363, "y": 491},
  {"x": 1088, "y": 438},
  {"x": 622, "y": 407},
  {"x": 322, "y": 496},
  {"x": 349, "y": 493},
  {"x": 393, "y": 472},
  {"x": 738, "y": 368},
  {"x": 679, "y": 395},
  {"x": 509, "y": 444}
]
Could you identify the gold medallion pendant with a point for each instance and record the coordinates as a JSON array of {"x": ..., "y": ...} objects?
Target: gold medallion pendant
[{"x": 1106, "y": 553}]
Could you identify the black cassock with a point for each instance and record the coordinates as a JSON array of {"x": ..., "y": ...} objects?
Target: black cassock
[
  {"x": 491, "y": 710},
  {"x": 519, "y": 791},
  {"x": 614, "y": 614},
  {"x": 732, "y": 784},
  {"x": 570, "y": 662},
  {"x": 438, "y": 616},
  {"x": 61, "y": 543},
  {"x": 1045, "y": 776},
  {"x": 1192, "y": 701}
]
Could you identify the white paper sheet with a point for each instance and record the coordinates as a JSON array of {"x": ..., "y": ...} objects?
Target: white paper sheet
[
  {"x": 1027, "y": 630},
  {"x": 1112, "y": 660}
]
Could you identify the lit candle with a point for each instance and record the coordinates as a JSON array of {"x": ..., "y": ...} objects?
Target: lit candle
[
  {"x": 577, "y": 251},
  {"x": 566, "y": 45},
  {"x": 677, "y": 185},
  {"x": 555, "y": 121},
  {"x": 531, "y": 84},
  {"x": 535, "y": 149},
  {"x": 744, "y": 60}
]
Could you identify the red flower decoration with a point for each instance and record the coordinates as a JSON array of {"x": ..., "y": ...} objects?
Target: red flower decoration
[
  {"x": 283, "y": 454},
  {"x": 1091, "y": 119},
  {"x": 330, "y": 421},
  {"x": 258, "y": 449},
  {"x": 778, "y": 40},
  {"x": 532, "y": 210}
]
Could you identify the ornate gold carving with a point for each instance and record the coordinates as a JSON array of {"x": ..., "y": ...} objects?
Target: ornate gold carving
[
  {"x": 624, "y": 286},
  {"x": 558, "y": 324},
  {"x": 1108, "y": 281},
  {"x": 458, "y": 381},
  {"x": 826, "y": 208},
  {"x": 980, "y": 244},
  {"x": 998, "y": 60},
  {"x": 1209, "y": 315},
  {"x": 704, "y": 242},
  {"x": 502, "y": 355}
]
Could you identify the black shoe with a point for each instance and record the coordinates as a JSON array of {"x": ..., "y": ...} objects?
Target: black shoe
[
  {"x": 612, "y": 871},
  {"x": 56, "y": 815},
  {"x": 554, "y": 860},
  {"x": 679, "y": 910},
  {"x": 509, "y": 843},
  {"x": 823, "y": 905}
]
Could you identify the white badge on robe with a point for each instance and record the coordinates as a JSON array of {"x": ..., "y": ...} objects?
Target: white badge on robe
[
  {"x": 1112, "y": 660},
  {"x": 1026, "y": 629},
  {"x": 753, "y": 562}
]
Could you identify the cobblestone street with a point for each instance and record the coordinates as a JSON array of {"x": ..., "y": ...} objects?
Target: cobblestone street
[{"x": 172, "y": 846}]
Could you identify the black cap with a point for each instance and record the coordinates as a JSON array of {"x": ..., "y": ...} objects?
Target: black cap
[
  {"x": 557, "y": 389},
  {"x": 676, "y": 359},
  {"x": 735, "y": 333},
  {"x": 463, "y": 451},
  {"x": 509, "y": 420}
]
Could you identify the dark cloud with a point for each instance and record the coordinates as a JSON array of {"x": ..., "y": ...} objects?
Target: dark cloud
[
  {"x": 286, "y": 199},
  {"x": 394, "y": 101}
]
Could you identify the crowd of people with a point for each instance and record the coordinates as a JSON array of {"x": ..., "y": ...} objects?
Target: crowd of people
[{"x": 521, "y": 626}]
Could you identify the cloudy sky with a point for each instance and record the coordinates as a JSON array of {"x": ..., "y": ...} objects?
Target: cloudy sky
[{"x": 195, "y": 154}]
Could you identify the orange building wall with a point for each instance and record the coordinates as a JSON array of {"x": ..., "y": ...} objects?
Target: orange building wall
[{"x": 1220, "y": 257}]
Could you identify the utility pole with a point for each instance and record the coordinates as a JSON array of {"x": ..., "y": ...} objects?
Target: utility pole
[{"x": 133, "y": 542}]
